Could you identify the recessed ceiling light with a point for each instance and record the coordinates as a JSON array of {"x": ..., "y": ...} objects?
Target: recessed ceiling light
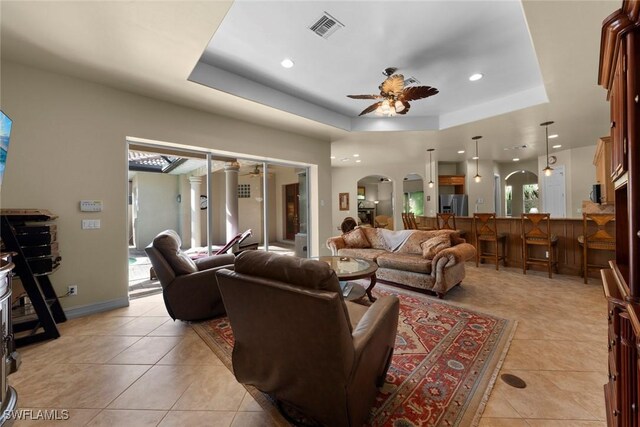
[
  {"x": 557, "y": 146},
  {"x": 333, "y": 157},
  {"x": 356, "y": 155},
  {"x": 475, "y": 77},
  {"x": 555, "y": 135},
  {"x": 345, "y": 159},
  {"x": 516, "y": 159},
  {"x": 287, "y": 63},
  {"x": 460, "y": 151},
  {"x": 475, "y": 158},
  {"x": 358, "y": 161}
]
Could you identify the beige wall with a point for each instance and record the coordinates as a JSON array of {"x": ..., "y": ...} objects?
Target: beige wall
[
  {"x": 481, "y": 194},
  {"x": 580, "y": 175},
  {"x": 68, "y": 144},
  {"x": 345, "y": 180}
]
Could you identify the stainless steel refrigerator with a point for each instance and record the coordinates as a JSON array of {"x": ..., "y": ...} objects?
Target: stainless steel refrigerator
[{"x": 454, "y": 203}]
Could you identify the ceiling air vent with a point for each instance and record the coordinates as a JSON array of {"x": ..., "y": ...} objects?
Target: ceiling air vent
[
  {"x": 516, "y": 147},
  {"x": 326, "y": 25}
]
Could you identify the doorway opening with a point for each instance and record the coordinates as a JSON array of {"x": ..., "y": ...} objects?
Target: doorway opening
[
  {"x": 375, "y": 201},
  {"x": 208, "y": 198}
]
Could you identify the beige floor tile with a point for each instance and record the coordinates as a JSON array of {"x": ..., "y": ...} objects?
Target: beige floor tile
[
  {"x": 215, "y": 389},
  {"x": 498, "y": 406},
  {"x": 171, "y": 328},
  {"x": 136, "y": 308},
  {"x": 146, "y": 351},
  {"x": 502, "y": 422},
  {"x": 94, "y": 325},
  {"x": 158, "y": 310},
  {"x": 159, "y": 388},
  {"x": 190, "y": 351},
  {"x": 249, "y": 404},
  {"x": 198, "y": 419},
  {"x": 556, "y": 355},
  {"x": 80, "y": 349},
  {"x": 565, "y": 423},
  {"x": 74, "y": 418},
  {"x": 140, "y": 326},
  {"x": 542, "y": 399},
  {"x": 110, "y": 417},
  {"x": 253, "y": 419},
  {"x": 80, "y": 390}
]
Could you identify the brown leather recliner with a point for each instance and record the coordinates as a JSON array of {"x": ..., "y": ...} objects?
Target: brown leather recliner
[
  {"x": 297, "y": 340},
  {"x": 190, "y": 288}
]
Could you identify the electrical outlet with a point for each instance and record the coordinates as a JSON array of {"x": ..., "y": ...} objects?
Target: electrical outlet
[
  {"x": 72, "y": 290},
  {"x": 546, "y": 254}
]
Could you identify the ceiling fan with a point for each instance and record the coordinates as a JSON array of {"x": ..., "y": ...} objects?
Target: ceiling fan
[
  {"x": 394, "y": 96},
  {"x": 256, "y": 172}
]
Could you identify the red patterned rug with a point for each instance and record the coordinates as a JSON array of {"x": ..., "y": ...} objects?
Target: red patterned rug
[{"x": 444, "y": 365}]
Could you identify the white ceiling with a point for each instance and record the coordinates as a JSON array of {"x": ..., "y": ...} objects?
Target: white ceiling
[
  {"x": 440, "y": 43},
  {"x": 151, "y": 48}
]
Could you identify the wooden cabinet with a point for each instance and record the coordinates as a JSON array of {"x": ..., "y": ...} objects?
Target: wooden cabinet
[
  {"x": 457, "y": 181},
  {"x": 602, "y": 162},
  {"x": 620, "y": 74}
]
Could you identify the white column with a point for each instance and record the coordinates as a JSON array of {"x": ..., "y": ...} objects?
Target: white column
[
  {"x": 231, "y": 211},
  {"x": 196, "y": 191}
]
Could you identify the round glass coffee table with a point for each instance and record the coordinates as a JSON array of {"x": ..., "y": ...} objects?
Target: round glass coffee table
[{"x": 348, "y": 268}]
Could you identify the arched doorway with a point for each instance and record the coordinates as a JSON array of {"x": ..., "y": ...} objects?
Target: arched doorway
[
  {"x": 375, "y": 201},
  {"x": 521, "y": 193}
]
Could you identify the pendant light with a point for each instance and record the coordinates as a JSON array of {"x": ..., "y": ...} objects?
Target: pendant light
[
  {"x": 548, "y": 170},
  {"x": 430, "y": 150},
  {"x": 477, "y": 178}
]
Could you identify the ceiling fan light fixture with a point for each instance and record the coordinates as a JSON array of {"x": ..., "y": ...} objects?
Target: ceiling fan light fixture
[
  {"x": 287, "y": 63},
  {"x": 378, "y": 111},
  {"x": 399, "y": 106}
]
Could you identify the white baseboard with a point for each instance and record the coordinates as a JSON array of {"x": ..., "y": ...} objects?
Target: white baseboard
[{"x": 85, "y": 310}]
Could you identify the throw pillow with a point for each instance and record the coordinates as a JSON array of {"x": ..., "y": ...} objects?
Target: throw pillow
[
  {"x": 168, "y": 243},
  {"x": 434, "y": 245},
  {"x": 356, "y": 239},
  {"x": 375, "y": 238}
]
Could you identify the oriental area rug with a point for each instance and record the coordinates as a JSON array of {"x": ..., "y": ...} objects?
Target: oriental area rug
[{"x": 446, "y": 360}]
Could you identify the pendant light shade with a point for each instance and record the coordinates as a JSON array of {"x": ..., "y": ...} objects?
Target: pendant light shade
[
  {"x": 431, "y": 184},
  {"x": 548, "y": 170},
  {"x": 477, "y": 178}
]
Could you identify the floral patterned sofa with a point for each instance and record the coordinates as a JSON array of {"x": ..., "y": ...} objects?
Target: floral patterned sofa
[{"x": 424, "y": 260}]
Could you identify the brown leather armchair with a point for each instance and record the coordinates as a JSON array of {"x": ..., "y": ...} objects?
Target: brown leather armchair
[
  {"x": 190, "y": 288},
  {"x": 297, "y": 340}
]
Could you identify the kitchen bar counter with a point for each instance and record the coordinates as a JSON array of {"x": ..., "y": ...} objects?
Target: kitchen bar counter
[{"x": 567, "y": 230}]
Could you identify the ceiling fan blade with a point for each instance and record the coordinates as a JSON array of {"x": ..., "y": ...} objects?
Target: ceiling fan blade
[
  {"x": 393, "y": 85},
  {"x": 417, "y": 92},
  {"x": 365, "y": 96},
  {"x": 406, "y": 108},
  {"x": 370, "y": 108}
]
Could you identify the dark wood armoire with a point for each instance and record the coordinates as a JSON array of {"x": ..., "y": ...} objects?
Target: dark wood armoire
[{"x": 619, "y": 74}]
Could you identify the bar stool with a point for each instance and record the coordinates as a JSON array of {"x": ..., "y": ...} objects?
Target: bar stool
[
  {"x": 447, "y": 221},
  {"x": 405, "y": 221},
  {"x": 413, "y": 224},
  {"x": 486, "y": 230},
  {"x": 536, "y": 231},
  {"x": 601, "y": 240}
]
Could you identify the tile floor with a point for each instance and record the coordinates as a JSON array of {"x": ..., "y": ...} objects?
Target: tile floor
[{"x": 136, "y": 367}]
